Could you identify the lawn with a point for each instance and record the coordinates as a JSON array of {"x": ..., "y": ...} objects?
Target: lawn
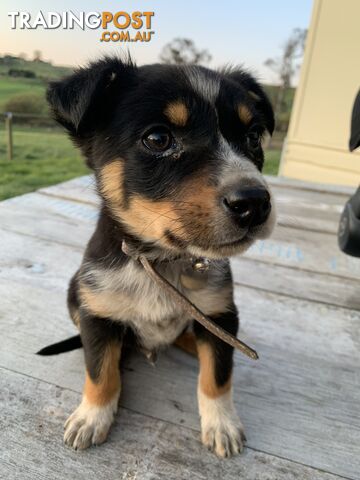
[
  {"x": 41, "y": 158},
  {"x": 44, "y": 157},
  {"x": 14, "y": 86}
]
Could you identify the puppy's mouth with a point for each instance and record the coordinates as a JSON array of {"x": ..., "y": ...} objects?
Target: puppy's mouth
[
  {"x": 211, "y": 249},
  {"x": 234, "y": 243}
]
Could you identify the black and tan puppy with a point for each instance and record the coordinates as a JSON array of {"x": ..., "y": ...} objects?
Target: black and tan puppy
[{"x": 177, "y": 157}]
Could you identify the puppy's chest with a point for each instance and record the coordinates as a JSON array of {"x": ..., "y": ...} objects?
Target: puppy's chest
[{"x": 129, "y": 295}]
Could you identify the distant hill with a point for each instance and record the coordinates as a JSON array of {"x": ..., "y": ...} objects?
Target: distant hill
[
  {"x": 41, "y": 69},
  {"x": 19, "y": 76}
]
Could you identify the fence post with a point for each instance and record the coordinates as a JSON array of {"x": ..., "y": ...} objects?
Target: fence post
[{"x": 8, "y": 124}]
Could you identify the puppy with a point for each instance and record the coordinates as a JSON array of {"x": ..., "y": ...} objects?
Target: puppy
[{"x": 176, "y": 152}]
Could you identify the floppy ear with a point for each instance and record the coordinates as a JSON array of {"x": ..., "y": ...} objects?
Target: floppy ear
[
  {"x": 259, "y": 96},
  {"x": 85, "y": 100}
]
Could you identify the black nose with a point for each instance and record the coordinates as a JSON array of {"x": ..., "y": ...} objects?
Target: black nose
[{"x": 250, "y": 206}]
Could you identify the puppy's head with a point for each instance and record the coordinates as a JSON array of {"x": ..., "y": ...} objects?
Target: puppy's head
[{"x": 176, "y": 151}]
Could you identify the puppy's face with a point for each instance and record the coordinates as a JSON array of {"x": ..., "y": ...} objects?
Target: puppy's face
[{"x": 176, "y": 151}]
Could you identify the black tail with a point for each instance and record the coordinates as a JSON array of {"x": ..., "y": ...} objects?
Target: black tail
[{"x": 67, "y": 345}]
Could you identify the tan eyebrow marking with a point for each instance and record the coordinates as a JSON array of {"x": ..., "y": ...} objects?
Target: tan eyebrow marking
[
  {"x": 244, "y": 114},
  {"x": 177, "y": 113}
]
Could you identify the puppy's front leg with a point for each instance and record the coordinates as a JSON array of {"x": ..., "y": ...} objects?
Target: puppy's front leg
[
  {"x": 90, "y": 422},
  {"x": 221, "y": 429}
]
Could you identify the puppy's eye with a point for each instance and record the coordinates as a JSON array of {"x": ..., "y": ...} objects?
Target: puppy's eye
[
  {"x": 253, "y": 139},
  {"x": 158, "y": 140}
]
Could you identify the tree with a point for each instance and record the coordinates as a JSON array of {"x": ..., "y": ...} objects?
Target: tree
[
  {"x": 182, "y": 51},
  {"x": 37, "y": 56},
  {"x": 287, "y": 65}
]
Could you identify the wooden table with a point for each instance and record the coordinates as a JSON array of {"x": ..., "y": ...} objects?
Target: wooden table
[{"x": 299, "y": 301}]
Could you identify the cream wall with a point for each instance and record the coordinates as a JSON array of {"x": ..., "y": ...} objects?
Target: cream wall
[{"x": 317, "y": 143}]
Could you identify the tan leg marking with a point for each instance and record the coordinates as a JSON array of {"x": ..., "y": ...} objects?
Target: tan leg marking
[
  {"x": 187, "y": 342},
  {"x": 107, "y": 386},
  {"x": 90, "y": 423},
  {"x": 207, "y": 381},
  {"x": 221, "y": 429}
]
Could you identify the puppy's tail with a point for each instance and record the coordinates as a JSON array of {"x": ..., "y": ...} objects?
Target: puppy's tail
[{"x": 67, "y": 345}]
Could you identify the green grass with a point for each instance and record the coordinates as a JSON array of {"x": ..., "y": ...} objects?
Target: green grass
[
  {"x": 272, "y": 161},
  {"x": 14, "y": 86},
  {"x": 41, "y": 158},
  {"x": 41, "y": 69},
  {"x": 10, "y": 86}
]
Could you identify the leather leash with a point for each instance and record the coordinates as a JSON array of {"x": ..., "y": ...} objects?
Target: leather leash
[{"x": 189, "y": 307}]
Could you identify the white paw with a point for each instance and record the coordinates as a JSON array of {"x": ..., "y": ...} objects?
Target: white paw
[
  {"x": 89, "y": 425},
  {"x": 221, "y": 429}
]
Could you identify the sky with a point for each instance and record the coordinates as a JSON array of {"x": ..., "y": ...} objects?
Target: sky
[{"x": 233, "y": 31}]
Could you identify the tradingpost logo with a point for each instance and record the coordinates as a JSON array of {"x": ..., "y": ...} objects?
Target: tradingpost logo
[{"x": 116, "y": 27}]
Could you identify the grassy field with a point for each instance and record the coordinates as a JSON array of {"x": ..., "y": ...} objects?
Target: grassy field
[
  {"x": 42, "y": 69},
  {"x": 41, "y": 158},
  {"x": 14, "y": 86},
  {"x": 46, "y": 157},
  {"x": 10, "y": 86}
]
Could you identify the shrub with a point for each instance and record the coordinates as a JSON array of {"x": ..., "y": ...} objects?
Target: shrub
[
  {"x": 17, "y": 72},
  {"x": 27, "y": 103}
]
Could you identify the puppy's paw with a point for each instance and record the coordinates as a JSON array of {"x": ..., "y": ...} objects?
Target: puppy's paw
[
  {"x": 225, "y": 438},
  {"x": 221, "y": 429},
  {"x": 89, "y": 425}
]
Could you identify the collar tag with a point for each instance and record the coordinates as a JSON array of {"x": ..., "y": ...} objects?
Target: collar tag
[{"x": 200, "y": 264}]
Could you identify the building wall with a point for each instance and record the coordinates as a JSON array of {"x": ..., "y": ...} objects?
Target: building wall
[{"x": 316, "y": 148}]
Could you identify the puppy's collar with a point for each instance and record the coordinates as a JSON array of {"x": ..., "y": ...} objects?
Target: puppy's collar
[
  {"x": 199, "y": 264},
  {"x": 185, "y": 304}
]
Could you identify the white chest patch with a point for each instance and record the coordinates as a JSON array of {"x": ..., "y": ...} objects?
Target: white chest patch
[{"x": 129, "y": 295}]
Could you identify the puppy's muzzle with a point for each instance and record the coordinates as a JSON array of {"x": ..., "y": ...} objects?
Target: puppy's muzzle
[{"x": 249, "y": 206}]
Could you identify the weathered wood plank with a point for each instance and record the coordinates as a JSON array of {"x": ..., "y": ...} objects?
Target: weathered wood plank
[
  {"x": 330, "y": 289},
  {"x": 72, "y": 223},
  {"x": 81, "y": 189},
  {"x": 139, "y": 447},
  {"x": 285, "y": 182},
  {"x": 314, "y": 252},
  {"x": 50, "y": 218},
  {"x": 308, "y": 212}
]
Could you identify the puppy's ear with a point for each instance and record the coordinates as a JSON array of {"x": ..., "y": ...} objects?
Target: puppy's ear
[
  {"x": 85, "y": 100},
  {"x": 259, "y": 96}
]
